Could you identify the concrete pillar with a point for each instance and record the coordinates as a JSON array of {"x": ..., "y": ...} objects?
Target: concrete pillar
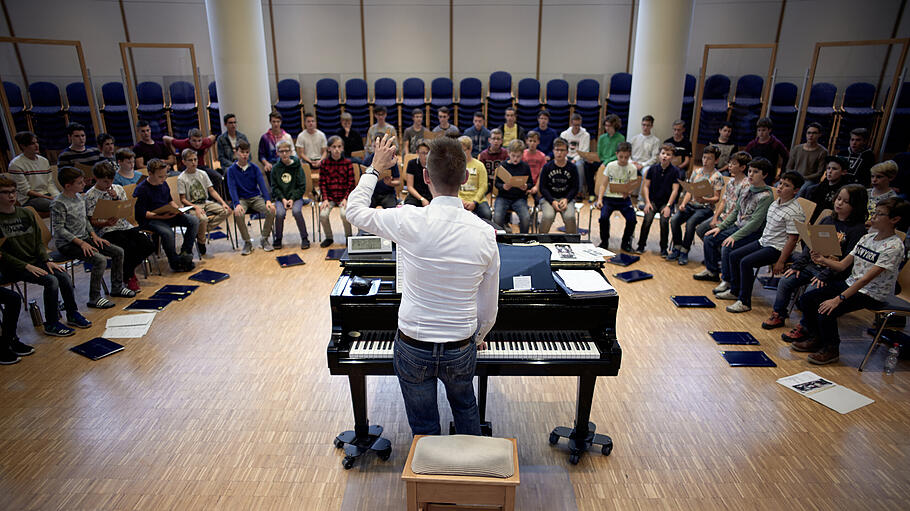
[
  {"x": 237, "y": 35},
  {"x": 659, "y": 64}
]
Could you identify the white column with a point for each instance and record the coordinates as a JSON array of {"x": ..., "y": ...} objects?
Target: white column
[
  {"x": 659, "y": 64},
  {"x": 237, "y": 34}
]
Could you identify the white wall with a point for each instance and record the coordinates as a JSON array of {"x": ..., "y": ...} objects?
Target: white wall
[{"x": 580, "y": 38}]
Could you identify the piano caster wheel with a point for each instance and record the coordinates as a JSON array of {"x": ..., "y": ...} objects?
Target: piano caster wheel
[
  {"x": 554, "y": 438},
  {"x": 348, "y": 462},
  {"x": 338, "y": 443},
  {"x": 574, "y": 459},
  {"x": 606, "y": 449},
  {"x": 384, "y": 454}
]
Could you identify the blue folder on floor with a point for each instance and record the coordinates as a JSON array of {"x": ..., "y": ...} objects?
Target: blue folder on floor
[{"x": 520, "y": 261}]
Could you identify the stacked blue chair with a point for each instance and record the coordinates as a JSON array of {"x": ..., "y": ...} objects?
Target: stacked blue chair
[
  {"x": 79, "y": 111},
  {"x": 442, "y": 94},
  {"x": 16, "y": 105},
  {"x": 557, "y": 103},
  {"x": 528, "y": 103},
  {"x": 357, "y": 104},
  {"x": 688, "y": 103},
  {"x": 470, "y": 100},
  {"x": 385, "y": 93},
  {"x": 899, "y": 135},
  {"x": 620, "y": 95},
  {"x": 857, "y": 111},
  {"x": 746, "y": 108},
  {"x": 587, "y": 103},
  {"x": 328, "y": 107},
  {"x": 115, "y": 112},
  {"x": 184, "y": 114},
  {"x": 413, "y": 95},
  {"x": 151, "y": 107},
  {"x": 214, "y": 109},
  {"x": 713, "y": 107},
  {"x": 821, "y": 110},
  {"x": 783, "y": 112},
  {"x": 499, "y": 97},
  {"x": 47, "y": 115},
  {"x": 289, "y": 105}
]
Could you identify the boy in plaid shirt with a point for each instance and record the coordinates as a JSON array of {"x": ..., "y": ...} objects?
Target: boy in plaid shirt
[{"x": 336, "y": 180}]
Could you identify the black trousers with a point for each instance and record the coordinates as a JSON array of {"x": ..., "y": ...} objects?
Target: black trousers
[{"x": 136, "y": 247}]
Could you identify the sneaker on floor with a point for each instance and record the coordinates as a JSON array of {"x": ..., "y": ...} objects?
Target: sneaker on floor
[
  {"x": 823, "y": 357},
  {"x": 737, "y": 306},
  {"x": 247, "y": 248},
  {"x": 797, "y": 333},
  {"x": 723, "y": 286},
  {"x": 673, "y": 255},
  {"x": 266, "y": 245},
  {"x": 200, "y": 247},
  {"x": 775, "y": 321},
  {"x": 133, "y": 284},
  {"x": 726, "y": 295},
  {"x": 304, "y": 244},
  {"x": 327, "y": 243},
  {"x": 77, "y": 320},
  {"x": 100, "y": 303},
  {"x": 19, "y": 348},
  {"x": 123, "y": 292},
  {"x": 683, "y": 259},
  {"x": 809, "y": 345},
  {"x": 57, "y": 329},
  {"x": 707, "y": 275},
  {"x": 277, "y": 244},
  {"x": 7, "y": 357}
]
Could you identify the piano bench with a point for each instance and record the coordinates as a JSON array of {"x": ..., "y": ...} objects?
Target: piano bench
[{"x": 428, "y": 492}]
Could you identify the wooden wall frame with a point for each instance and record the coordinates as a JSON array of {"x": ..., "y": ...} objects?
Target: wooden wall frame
[
  {"x": 131, "y": 87},
  {"x": 766, "y": 88},
  {"x": 90, "y": 94},
  {"x": 889, "y": 101}
]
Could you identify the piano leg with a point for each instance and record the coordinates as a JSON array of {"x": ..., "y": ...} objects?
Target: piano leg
[
  {"x": 583, "y": 435},
  {"x": 363, "y": 438},
  {"x": 486, "y": 427}
]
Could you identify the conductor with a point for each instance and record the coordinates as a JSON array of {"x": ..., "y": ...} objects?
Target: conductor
[{"x": 449, "y": 295}]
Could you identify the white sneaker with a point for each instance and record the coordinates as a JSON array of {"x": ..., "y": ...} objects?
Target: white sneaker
[
  {"x": 738, "y": 306},
  {"x": 247, "y": 248},
  {"x": 267, "y": 245},
  {"x": 723, "y": 286},
  {"x": 726, "y": 295}
]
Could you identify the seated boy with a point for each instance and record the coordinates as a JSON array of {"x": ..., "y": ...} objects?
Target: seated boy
[
  {"x": 535, "y": 160},
  {"x": 513, "y": 198},
  {"x": 737, "y": 166},
  {"x": 765, "y": 145},
  {"x": 609, "y": 141},
  {"x": 288, "y": 188},
  {"x": 882, "y": 175},
  {"x": 824, "y": 193},
  {"x": 444, "y": 127},
  {"x": 126, "y": 174},
  {"x": 135, "y": 244},
  {"x": 32, "y": 174},
  {"x": 418, "y": 191},
  {"x": 742, "y": 226},
  {"x": 859, "y": 157},
  {"x": 385, "y": 195},
  {"x": 558, "y": 185},
  {"x": 682, "y": 146},
  {"x": 876, "y": 261},
  {"x": 11, "y": 348},
  {"x": 336, "y": 180},
  {"x": 194, "y": 189},
  {"x": 725, "y": 146},
  {"x": 75, "y": 239},
  {"x": 311, "y": 143},
  {"x": 619, "y": 171},
  {"x": 23, "y": 256},
  {"x": 201, "y": 144},
  {"x": 249, "y": 191},
  {"x": 473, "y": 192},
  {"x": 660, "y": 189},
  {"x": 694, "y": 210},
  {"x": 379, "y": 128},
  {"x": 546, "y": 133},
  {"x": 777, "y": 242},
  {"x": 154, "y": 193},
  {"x": 414, "y": 135},
  {"x": 478, "y": 133}
]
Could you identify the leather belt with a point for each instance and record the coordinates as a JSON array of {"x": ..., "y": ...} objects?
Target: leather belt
[{"x": 429, "y": 346}]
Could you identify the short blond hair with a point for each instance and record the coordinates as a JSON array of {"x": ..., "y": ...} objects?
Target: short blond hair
[
  {"x": 516, "y": 146},
  {"x": 284, "y": 143},
  {"x": 466, "y": 143},
  {"x": 886, "y": 168}
]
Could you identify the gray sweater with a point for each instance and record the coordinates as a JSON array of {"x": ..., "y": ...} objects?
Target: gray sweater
[{"x": 68, "y": 220}]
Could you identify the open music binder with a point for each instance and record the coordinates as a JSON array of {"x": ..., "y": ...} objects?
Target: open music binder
[
  {"x": 97, "y": 348},
  {"x": 583, "y": 283}
]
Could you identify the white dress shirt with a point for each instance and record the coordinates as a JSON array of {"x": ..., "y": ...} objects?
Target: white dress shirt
[
  {"x": 645, "y": 149},
  {"x": 449, "y": 259}
]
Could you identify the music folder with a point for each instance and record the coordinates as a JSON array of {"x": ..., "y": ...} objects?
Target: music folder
[
  {"x": 692, "y": 301},
  {"x": 105, "y": 209},
  {"x": 747, "y": 359},
  {"x": 506, "y": 177},
  {"x": 698, "y": 190},
  {"x": 209, "y": 276},
  {"x": 589, "y": 156},
  {"x": 289, "y": 260},
  {"x": 623, "y": 259},
  {"x": 167, "y": 208},
  {"x": 97, "y": 348},
  {"x": 820, "y": 238},
  {"x": 733, "y": 338},
  {"x": 631, "y": 186},
  {"x": 149, "y": 305},
  {"x": 633, "y": 276}
]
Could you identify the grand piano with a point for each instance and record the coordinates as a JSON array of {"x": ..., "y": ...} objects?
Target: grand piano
[{"x": 537, "y": 333}]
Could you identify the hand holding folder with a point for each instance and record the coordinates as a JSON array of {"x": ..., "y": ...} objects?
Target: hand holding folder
[
  {"x": 820, "y": 238},
  {"x": 698, "y": 190},
  {"x": 508, "y": 178},
  {"x": 589, "y": 156},
  {"x": 105, "y": 209},
  {"x": 169, "y": 208},
  {"x": 625, "y": 188}
]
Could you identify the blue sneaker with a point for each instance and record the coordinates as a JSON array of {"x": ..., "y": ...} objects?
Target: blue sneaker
[
  {"x": 683, "y": 259},
  {"x": 674, "y": 254},
  {"x": 57, "y": 329},
  {"x": 77, "y": 320}
]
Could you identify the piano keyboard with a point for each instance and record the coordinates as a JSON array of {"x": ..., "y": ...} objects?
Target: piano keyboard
[{"x": 500, "y": 345}]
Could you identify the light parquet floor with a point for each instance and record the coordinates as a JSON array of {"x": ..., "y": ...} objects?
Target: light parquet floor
[{"x": 227, "y": 403}]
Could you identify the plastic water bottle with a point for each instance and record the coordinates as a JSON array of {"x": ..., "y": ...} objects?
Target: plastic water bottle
[{"x": 891, "y": 361}]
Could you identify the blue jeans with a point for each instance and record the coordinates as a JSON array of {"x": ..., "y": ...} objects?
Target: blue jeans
[
  {"x": 787, "y": 287},
  {"x": 744, "y": 259},
  {"x": 483, "y": 211},
  {"x": 519, "y": 206},
  {"x": 281, "y": 213},
  {"x": 624, "y": 206},
  {"x": 692, "y": 216},
  {"x": 646, "y": 229},
  {"x": 54, "y": 282},
  {"x": 164, "y": 229},
  {"x": 417, "y": 371},
  {"x": 824, "y": 326},
  {"x": 717, "y": 258}
]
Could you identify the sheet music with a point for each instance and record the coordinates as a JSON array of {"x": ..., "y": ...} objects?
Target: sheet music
[
  {"x": 826, "y": 392},
  {"x": 584, "y": 281},
  {"x": 141, "y": 319}
]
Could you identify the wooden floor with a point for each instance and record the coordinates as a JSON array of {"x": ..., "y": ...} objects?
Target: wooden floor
[{"x": 227, "y": 403}]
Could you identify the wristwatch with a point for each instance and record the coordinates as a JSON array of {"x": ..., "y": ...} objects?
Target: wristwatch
[
  {"x": 842, "y": 297},
  {"x": 371, "y": 170}
]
